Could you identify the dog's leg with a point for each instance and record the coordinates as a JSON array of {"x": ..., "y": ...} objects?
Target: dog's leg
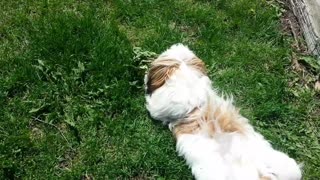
[
  {"x": 203, "y": 157},
  {"x": 282, "y": 166}
]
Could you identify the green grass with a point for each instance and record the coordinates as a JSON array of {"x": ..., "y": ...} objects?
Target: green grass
[{"x": 71, "y": 96}]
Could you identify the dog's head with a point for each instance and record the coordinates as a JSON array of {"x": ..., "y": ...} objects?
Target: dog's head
[
  {"x": 160, "y": 71},
  {"x": 176, "y": 83}
]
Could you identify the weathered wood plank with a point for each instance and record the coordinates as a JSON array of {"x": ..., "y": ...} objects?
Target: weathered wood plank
[{"x": 308, "y": 14}]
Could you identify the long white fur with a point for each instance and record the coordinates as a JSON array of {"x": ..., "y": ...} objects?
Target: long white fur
[{"x": 226, "y": 156}]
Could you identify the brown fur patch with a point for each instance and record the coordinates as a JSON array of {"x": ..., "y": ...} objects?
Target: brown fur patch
[
  {"x": 159, "y": 72},
  {"x": 195, "y": 122},
  {"x": 189, "y": 127},
  {"x": 265, "y": 178},
  {"x": 198, "y": 64},
  {"x": 227, "y": 120}
]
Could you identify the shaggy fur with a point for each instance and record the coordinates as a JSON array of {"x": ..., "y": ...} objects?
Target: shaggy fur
[{"x": 216, "y": 141}]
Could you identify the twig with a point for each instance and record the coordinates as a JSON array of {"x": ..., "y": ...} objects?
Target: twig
[
  {"x": 39, "y": 120},
  {"x": 295, "y": 36}
]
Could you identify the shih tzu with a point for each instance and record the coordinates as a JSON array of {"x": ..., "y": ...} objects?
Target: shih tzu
[{"x": 215, "y": 140}]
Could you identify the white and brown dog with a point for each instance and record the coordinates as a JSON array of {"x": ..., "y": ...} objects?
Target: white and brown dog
[{"x": 216, "y": 141}]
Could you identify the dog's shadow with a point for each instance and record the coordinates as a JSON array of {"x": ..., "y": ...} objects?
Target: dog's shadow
[{"x": 159, "y": 124}]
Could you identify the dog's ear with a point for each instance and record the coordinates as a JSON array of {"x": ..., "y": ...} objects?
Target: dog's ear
[
  {"x": 159, "y": 72},
  {"x": 198, "y": 64}
]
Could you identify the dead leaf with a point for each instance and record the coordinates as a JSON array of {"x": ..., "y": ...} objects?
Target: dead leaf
[{"x": 317, "y": 86}]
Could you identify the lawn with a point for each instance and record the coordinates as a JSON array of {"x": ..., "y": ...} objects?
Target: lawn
[{"x": 71, "y": 84}]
